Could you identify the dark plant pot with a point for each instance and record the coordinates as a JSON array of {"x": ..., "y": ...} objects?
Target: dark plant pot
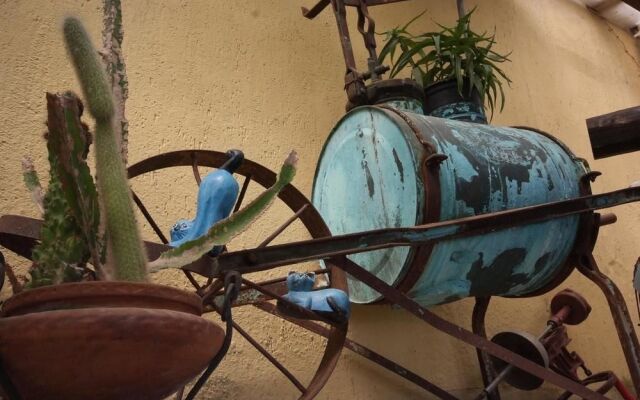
[
  {"x": 443, "y": 100},
  {"x": 104, "y": 340}
]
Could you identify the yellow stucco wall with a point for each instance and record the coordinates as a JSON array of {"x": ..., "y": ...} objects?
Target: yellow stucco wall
[{"x": 255, "y": 75}]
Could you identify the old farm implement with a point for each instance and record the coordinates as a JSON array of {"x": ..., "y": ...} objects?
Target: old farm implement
[{"x": 415, "y": 211}]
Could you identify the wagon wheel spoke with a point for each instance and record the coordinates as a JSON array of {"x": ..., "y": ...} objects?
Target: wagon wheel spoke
[
  {"x": 194, "y": 168},
  {"x": 149, "y": 218},
  {"x": 243, "y": 191},
  {"x": 160, "y": 235},
  {"x": 271, "y": 358},
  {"x": 211, "y": 290},
  {"x": 282, "y": 227}
]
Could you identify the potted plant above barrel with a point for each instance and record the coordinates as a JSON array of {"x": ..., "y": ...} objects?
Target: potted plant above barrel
[
  {"x": 88, "y": 324},
  {"x": 456, "y": 66}
]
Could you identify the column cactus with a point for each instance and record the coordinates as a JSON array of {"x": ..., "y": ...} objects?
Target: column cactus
[
  {"x": 125, "y": 245},
  {"x": 123, "y": 238}
]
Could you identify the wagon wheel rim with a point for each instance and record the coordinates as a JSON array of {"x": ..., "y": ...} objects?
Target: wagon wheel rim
[{"x": 303, "y": 210}]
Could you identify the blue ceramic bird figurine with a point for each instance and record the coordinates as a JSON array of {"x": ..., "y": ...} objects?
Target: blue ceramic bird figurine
[
  {"x": 217, "y": 194},
  {"x": 330, "y": 303}
]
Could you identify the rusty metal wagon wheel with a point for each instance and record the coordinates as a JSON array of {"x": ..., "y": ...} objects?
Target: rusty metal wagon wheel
[{"x": 260, "y": 294}]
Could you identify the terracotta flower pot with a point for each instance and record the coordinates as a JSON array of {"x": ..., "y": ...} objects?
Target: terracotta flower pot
[{"x": 104, "y": 340}]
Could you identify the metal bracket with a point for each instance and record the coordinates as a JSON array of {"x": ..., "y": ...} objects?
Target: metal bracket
[{"x": 355, "y": 80}]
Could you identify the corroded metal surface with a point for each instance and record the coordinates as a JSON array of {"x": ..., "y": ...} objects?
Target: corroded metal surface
[
  {"x": 491, "y": 169},
  {"x": 380, "y": 157},
  {"x": 376, "y": 186}
]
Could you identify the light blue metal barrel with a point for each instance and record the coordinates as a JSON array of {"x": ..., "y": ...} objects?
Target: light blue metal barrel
[{"x": 384, "y": 166}]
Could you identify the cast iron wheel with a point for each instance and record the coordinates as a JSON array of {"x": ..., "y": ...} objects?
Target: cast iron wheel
[
  {"x": 260, "y": 294},
  {"x": 20, "y": 234}
]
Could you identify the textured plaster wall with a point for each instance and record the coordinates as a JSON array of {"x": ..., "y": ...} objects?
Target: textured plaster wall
[{"x": 255, "y": 75}]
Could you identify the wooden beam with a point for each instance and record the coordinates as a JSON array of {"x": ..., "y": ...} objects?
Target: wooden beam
[
  {"x": 615, "y": 133},
  {"x": 633, "y": 3}
]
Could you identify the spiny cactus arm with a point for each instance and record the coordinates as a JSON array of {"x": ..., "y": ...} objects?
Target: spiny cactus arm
[
  {"x": 125, "y": 244},
  {"x": 62, "y": 245},
  {"x": 225, "y": 230},
  {"x": 89, "y": 69},
  {"x": 32, "y": 182},
  {"x": 68, "y": 140},
  {"x": 112, "y": 37}
]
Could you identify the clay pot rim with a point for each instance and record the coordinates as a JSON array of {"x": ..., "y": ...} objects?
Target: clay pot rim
[{"x": 98, "y": 294}]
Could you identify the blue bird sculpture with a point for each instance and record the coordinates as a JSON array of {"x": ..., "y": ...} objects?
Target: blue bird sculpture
[
  {"x": 330, "y": 303},
  {"x": 217, "y": 195}
]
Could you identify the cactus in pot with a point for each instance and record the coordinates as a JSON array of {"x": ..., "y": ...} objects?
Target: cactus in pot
[
  {"x": 84, "y": 329},
  {"x": 72, "y": 190}
]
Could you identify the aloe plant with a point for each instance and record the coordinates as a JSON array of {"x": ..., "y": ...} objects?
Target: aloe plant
[
  {"x": 69, "y": 236},
  {"x": 452, "y": 53}
]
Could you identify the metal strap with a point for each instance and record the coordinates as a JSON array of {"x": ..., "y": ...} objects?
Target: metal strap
[{"x": 462, "y": 334}]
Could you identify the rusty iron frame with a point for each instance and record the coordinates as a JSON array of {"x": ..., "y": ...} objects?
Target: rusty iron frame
[
  {"x": 253, "y": 260},
  {"x": 354, "y": 80},
  {"x": 484, "y": 360},
  {"x": 19, "y": 234}
]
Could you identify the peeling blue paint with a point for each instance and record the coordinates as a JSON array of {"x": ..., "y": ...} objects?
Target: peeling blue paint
[
  {"x": 463, "y": 110},
  {"x": 406, "y": 104},
  {"x": 488, "y": 169}
]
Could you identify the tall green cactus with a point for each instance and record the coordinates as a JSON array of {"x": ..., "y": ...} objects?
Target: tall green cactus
[
  {"x": 69, "y": 236},
  {"x": 122, "y": 232}
]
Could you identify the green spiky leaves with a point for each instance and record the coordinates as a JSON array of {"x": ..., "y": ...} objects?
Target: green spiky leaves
[{"x": 452, "y": 53}]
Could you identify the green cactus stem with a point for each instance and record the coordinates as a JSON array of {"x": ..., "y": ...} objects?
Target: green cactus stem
[
  {"x": 68, "y": 141},
  {"x": 225, "y": 230},
  {"x": 125, "y": 244},
  {"x": 90, "y": 71},
  {"x": 112, "y": 37},
  {"x": 70, "y": 228}
]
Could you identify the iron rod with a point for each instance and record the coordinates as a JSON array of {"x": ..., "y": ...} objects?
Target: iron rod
[
  {"x": 253, "y": 260},
  {"x": 620, "y": 313},
  {"x": 149, "y": 219},
  {"x": 269, "y": 357},
  {"x": 364, "y": 352},
  {"x": 484, "y": 360},
  {"x": 282, "y": 227},
  {"x": 243, "y": 192}
]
